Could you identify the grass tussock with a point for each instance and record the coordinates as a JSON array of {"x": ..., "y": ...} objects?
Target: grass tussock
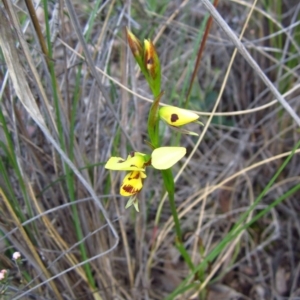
[{"x": 72, "y": 96}]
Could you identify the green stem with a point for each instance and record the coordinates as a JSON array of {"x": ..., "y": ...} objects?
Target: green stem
[
  {"x": 153, "y": 122},
  {"x": 170, "y": 187}
]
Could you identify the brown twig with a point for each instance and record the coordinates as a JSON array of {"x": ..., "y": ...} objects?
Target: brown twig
[{"x": 199, "y": 56}]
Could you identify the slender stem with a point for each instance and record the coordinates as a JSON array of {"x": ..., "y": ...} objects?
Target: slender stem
[
  {"x": 153, "y": 122},
  {"x": 170, "y": 187}
]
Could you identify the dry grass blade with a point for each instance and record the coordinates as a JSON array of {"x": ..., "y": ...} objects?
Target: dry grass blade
[
  {"x": 91, "y": 65},
  {"x": 241, "y": 48},
  {"x": 25, "y": 95}
]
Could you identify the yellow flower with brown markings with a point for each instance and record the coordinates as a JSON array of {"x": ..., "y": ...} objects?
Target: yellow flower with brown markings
[
  {"x": 133, "y": 181},
  {"x": 161, "y": 158}
]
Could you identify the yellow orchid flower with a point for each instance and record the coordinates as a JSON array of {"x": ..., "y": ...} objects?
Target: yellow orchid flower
[
  {"x": 176, "y": 116},
  {"x": 165, "y": 157},
  {"x": 161, "y": 158},
  {"x": 133, "y": 181}
]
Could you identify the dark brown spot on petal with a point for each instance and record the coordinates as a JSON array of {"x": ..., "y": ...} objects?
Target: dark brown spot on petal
[
  {"x": 129, "y": 189},
  {"x": 121, "y": 161},
  {"x": 174, "y": 118}
]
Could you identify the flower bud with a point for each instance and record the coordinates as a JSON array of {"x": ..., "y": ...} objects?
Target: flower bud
[
  {"x": 135, "y": 45},
  {"x": 151, "y": 59},
  {"x": 152, "y": 64}
]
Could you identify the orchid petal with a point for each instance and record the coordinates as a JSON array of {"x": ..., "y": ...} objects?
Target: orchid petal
[
  {"x": 132, "y": 163},
  {"x": 165, "y": 157},
  {"x": 132, "y": 183}
]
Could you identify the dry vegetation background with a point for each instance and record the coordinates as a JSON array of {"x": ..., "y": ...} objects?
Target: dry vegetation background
[{"x": 76, "y": 239}]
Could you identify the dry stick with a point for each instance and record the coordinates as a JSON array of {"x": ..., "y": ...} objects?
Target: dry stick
[
  {"x": 37, "y": 27},
  {"x": 243, "y": 51},
  {"x": 199, "y": 55},
  {"x": 91, "y": 65}
]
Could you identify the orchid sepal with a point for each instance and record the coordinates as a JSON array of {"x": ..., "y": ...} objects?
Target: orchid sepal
[
  {"x": 133, "y": 201},
  {"x": 165, "y": 157},
  {"x": 176, "y": 116}
]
